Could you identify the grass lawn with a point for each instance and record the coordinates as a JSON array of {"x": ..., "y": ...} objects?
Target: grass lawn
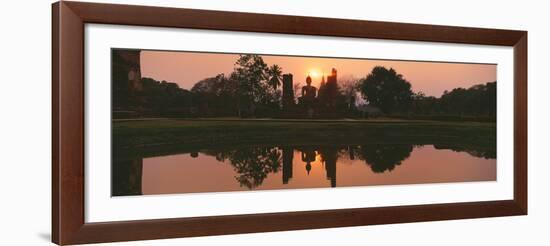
[{"x": 196, "y": 133}]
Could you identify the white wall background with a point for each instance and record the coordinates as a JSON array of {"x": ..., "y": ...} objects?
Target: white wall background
[{"x": 25, "y": 137}]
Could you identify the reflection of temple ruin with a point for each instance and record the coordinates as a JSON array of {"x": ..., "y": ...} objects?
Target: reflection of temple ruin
[
  {"x": 330, "y": 156},
  {"x": 126, "y": 177},
  {"x": 309, "y": 155},
  {"x": 288, "y": 156},
  {"x": 254, "y": 164}
]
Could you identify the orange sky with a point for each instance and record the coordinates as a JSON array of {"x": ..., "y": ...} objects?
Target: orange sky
[{"x": 432, "y": 78}]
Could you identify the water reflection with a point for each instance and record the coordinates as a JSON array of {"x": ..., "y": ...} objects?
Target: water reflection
[
  {"x": 383, "y": 158},
  {"x": 309, "y": 166}
]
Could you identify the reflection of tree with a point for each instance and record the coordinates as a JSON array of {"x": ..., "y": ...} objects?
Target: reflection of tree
[
  {"x": 254, "y": 164},
  {"x": 384, "y": 157},
  {"x": 489, "y": 153},
  {"x": 351, "y": 151}
]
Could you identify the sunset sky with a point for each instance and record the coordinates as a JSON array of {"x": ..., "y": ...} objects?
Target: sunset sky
[{"x": 432, "y": 78}]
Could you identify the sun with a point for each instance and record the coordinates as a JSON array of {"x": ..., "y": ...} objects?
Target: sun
[{"x": 314, "y": 73}]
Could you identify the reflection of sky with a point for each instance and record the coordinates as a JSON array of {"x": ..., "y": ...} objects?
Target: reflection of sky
[
  {"x": 432, "y": 78},
  {"x": 182, "y": 173}
]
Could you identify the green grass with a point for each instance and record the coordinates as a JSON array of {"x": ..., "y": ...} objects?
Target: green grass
[{"x": 161, "y": 134}]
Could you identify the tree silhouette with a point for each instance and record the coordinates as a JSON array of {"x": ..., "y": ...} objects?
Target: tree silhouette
[
  {"x": 349, "y": 90},
  {"x": 249, "y": 73},
  {"x": 215, "y": 96},
  {"x": 275, "y": 76},
  {"x": 386, "y": 89},
  {"x": 384, "y": 157},
  {"x": 162, "y": 96},
  {"x": 254, "y": 87},
  {"x": 476, "y": 100},
  {"x": 422, "y": 104}
]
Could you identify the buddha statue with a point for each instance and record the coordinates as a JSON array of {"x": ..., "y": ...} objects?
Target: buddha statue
[{"x": 309, "y": 92}]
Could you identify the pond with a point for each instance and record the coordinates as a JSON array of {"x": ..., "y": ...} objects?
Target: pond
[{"x": 259, "y": 167}]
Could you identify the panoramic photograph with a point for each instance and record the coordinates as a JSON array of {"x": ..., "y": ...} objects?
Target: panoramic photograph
[{"x": 190, "y": 122}]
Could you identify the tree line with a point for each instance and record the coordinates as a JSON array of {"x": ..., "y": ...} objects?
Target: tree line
[
  {"x": 253, "y": 89},
  {"x": 391, "y": 92}
]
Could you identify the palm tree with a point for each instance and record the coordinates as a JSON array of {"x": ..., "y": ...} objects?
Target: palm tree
[{"x": 275, "y": 75}]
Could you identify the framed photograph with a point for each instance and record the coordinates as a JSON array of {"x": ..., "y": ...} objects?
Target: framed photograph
[{"x": 174, "y": 122}]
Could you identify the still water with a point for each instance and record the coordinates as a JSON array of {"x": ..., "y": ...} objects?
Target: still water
[{"x": 293, "y": 167}]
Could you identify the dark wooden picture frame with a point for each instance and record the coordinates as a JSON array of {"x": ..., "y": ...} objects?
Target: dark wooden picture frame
[{"x": 68, "y": 223}]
